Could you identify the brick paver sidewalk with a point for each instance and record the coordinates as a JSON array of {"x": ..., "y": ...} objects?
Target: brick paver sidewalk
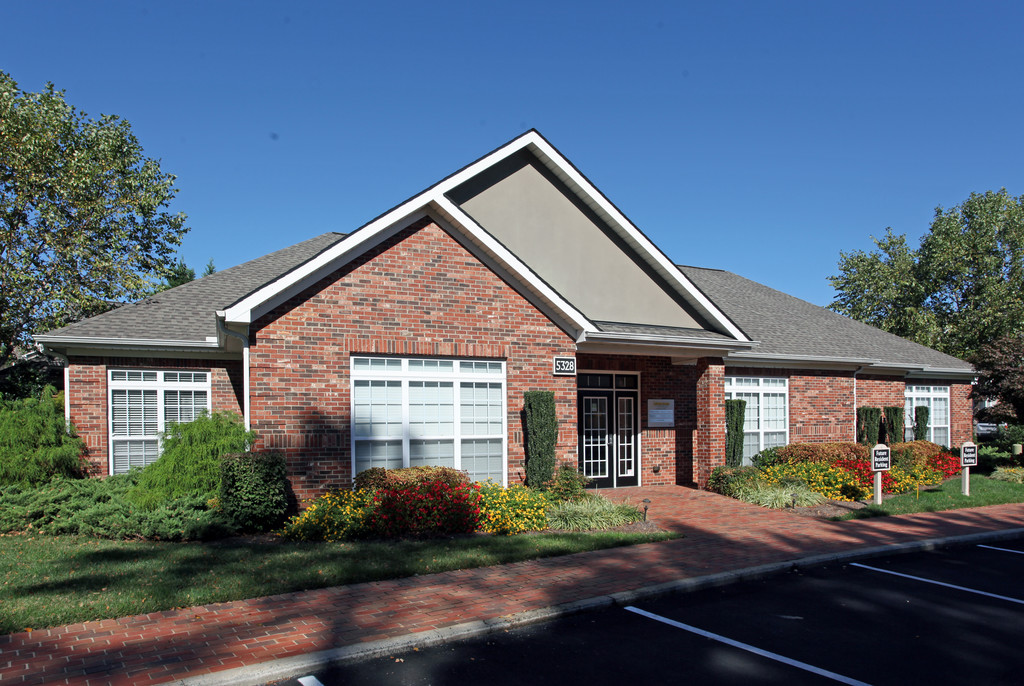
[{"x": 721, "y": 535}]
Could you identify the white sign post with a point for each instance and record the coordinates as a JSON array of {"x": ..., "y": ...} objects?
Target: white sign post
[
  {"x": 880, "y": 462},
  {"x": 968, "y": 459}
]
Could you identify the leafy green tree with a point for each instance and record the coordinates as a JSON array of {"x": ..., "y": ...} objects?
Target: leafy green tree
[
  {"x": 963, "y": 287},
  {"x": 1000, "y": 365},
  {"x": 83, "y": 220},
  {"x": 180, "y": 274}
]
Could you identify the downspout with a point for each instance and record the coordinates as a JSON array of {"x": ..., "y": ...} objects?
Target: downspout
[
  {"x": 67, "y": 384},
  {"x": 245, "y": 369},
  {"x": 855, "y": 373}
]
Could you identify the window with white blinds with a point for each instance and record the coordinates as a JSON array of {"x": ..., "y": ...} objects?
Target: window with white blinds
[
  {"x": 766, "y": 420},
  {"x": 409, "y": 412},
  {"x": 936, "y": 399},
  {"x": 143, "y": 403}
]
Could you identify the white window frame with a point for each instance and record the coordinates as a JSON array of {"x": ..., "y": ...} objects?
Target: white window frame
[
  {"x": 916, "y": 395},
  {"x": 761, "y": 388},
  {"x": 161, "y": 385},
  {"x": 411, "y": 369}
]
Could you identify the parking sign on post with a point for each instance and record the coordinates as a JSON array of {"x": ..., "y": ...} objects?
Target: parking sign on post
[
  {"x": 880, "y": 462},
  {"x": 968, "y": 459}
]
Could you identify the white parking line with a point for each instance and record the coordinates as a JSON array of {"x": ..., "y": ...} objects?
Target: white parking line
[
  {"x": 749, "y": 648},
  {"x": 1005, "y": 550},
  {"x": 940, "y": 583}
]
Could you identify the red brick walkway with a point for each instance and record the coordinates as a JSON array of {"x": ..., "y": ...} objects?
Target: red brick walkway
[{"x": 720, "y": 535}]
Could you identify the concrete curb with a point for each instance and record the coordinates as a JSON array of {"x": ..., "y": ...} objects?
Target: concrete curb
[{"x": 274, "y": 670}]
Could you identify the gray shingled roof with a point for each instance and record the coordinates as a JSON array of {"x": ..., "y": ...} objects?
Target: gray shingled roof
[
  {"x": 187, "y": 313},
  {"x": 783, "y": 325},
  {"x": 661, "y": 331},
  {"x": 790, "y": 327}
]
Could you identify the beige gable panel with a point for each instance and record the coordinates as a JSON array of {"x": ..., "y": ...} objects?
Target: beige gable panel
[{"x": 528, "y": 211}]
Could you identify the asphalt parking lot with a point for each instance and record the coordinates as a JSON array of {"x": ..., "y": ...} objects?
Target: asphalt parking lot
[{"x": 952, "y": 616}]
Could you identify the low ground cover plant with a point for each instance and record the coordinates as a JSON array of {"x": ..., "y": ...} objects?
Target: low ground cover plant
[{"x": 835, "y": 471}]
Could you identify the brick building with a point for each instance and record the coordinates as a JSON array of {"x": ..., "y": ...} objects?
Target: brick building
[{"x": 412, "y": 341}]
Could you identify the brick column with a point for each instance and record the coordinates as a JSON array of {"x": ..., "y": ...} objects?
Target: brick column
[{"x": 709, "y": 437}]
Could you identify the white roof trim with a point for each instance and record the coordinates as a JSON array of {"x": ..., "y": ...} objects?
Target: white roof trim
[
  {"x": 261, "y": 300},
  {"x": 120, "y": 342}
]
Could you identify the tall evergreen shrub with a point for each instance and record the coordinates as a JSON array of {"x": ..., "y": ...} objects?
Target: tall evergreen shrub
[
  {"x": 894, "y": 424},
  {"x": 869, "y": 421},
  {"x": 254, "y": 489},
  {"x": 35, "y": 443},
  {"x": 541, "y": 425},
  {"x": 921, "y": 416},
  {"x": 190, "y": 464},
  {"x": 735, "y": 413}
]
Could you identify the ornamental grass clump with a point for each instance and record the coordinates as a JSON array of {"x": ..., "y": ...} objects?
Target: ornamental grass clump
[
  {"x": 512, "y": 510},
  {"x": 595, "y": 512},
  {"x": 780, "y": 495},
  {"x": 1014, "y": 475}
]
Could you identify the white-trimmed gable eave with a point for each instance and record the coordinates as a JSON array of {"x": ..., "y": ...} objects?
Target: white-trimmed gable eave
[{"x": 434, "y": 202}]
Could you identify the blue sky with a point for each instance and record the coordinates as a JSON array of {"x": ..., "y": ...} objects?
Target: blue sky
[{"x": 759, "y": 137}]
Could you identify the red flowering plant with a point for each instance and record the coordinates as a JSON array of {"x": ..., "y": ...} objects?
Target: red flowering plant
[
  {"x": 426, "y": 508},
  {"x": 861, "y": 469},
  {"x": 945, "y": 463}
]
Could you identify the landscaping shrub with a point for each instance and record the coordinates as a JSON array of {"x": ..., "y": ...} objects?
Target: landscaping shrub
[
  {"x": 732, "y": 480},
  {"x": 921, "y": 450},
  {"x": 833, "y": 481},
  {"x": 378, "y": 477},
  {"x": 35, "y": 445},
  {"x": 512, "y": 510},
  {"x": 568, "y": 485},
  {"x": 94, "y": 507},
  {"x": 822, "y": 452},
  {"x": 335, "y": 516},
  {"x": 426, "y": 508},
  {"x": 541, "y": 427},
  {"x": 766, "y": 457},
  {"x": 254, "y": 489},
  {"x": 869, "y": 421},
  {"x": 591, "y": 513},
  {"x": 190, "y": 463},
  {"x": 894, "y": 425},
  {"x": 735, "y": 411},
  {"x": 1007, "y": 435},
  {"x": 921, "y": 414}
]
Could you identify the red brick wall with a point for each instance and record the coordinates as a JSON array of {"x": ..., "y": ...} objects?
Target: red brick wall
[
  {"x": 418, "y": 293},
  {"x": 961, "y": 413},
  {"x": 87, "y": 395},
  {"x": 880, "y": 391},
  {"x": 709, "y": 436},
  {"x": 666, "y": 454}
]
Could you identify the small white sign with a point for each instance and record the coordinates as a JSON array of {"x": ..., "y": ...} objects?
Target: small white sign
[
  {"x": 968, "y": 455},
  {"x": 661, "y": 413},
  {"x": 880, "y": 458},
  {"x": 565, "y": 366}
]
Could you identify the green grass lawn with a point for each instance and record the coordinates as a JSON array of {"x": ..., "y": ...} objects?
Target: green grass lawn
[
  {"x": 948, "y": 496},
  {"x": 54, "y": 580}
]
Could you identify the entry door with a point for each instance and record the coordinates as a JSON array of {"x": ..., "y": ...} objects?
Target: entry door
[{"x": 607, "y": 428}]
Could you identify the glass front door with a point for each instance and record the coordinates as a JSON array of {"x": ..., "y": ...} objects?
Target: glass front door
[{"x": 607, "y": 428}]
